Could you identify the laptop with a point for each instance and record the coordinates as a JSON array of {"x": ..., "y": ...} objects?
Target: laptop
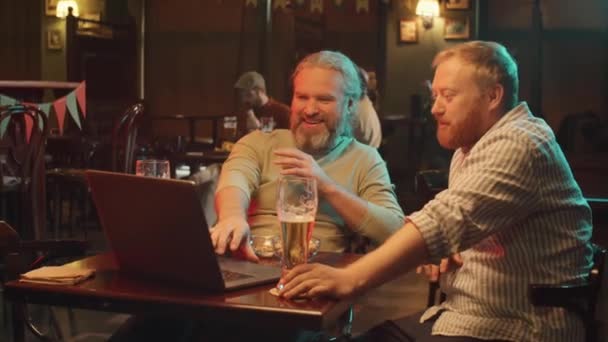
[{"x": 156, "y": 229}]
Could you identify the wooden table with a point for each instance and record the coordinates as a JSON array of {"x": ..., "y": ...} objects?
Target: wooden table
[
  {"x": 195, "y": 160},
  {"x": 192, "y": 119},
  {"x": 113, "y": 291}
]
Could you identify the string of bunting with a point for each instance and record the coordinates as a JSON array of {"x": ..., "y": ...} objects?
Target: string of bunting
[
  {"x": 361, "y": 6},
  {"x": 72, "y": 101}
]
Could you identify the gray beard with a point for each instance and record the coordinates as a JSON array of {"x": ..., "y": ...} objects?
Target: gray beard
[
  {"x": 320, "y": 144},
  {"x": 317, "y": 144}
]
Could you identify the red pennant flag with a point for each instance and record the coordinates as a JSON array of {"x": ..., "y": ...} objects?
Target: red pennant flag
[
  {"x": 29, "y": 123},
  {"x": 81, "y": 97},
  {"x": 59, "y": 106}
]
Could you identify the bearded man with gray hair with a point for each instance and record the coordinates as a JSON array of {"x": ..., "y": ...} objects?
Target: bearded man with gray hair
[{"x": 356, "y": 197}]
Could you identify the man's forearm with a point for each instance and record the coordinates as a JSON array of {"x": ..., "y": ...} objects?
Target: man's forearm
[
  {"x": 374, "y": 221},
  {"x": 402, "y": 252},
  {"x": 349, "y": 206},
  {"x": 231, "y": 201}
]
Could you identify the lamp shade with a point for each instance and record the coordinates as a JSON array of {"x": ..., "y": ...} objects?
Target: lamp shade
[
  {"x": 427, "y": 8},
  {"x": 62, "y": 8}
]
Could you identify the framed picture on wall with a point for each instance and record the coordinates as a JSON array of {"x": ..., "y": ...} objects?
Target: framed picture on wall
[
  {"x": 408, "y": 31},
  {"x": 457, "y": 4},
  {"x": 457, "y": 28},
  {"x": 50, "y": 7},
  {"x": 53, "y": 40}
]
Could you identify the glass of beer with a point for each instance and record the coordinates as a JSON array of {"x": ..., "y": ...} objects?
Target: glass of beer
[
  {"x": 229, "y": 131},
  {"x": 266, "y": 124},
  {"x": 296, "y": 207},
  {"x": 153, "y": 168}
]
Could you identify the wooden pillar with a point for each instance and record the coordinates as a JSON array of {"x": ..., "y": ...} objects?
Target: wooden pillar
[
  {"x": 71, "y": 59},
  {"x": 266, "y": 44},
  {"x": 536, "y": 96}
]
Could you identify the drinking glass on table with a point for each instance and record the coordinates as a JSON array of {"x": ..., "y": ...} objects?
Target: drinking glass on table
[
  {"x": 153, "y": 168},
  {"x": 230, "y": 125},
  {"x": 296, "y": 208},
  {"x": 266, "y": 124}
]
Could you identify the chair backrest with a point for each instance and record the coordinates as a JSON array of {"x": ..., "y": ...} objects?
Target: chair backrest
[
  {"x": 431, "y": 182},
  {"x": 19, "y": 256},
  {"x": 598, "y": 290},
  {"x": 25, "y": 132},
  {"x": 124, "y": 137},
  {"x": 9, "y": 239},
  {"x": 427, "y": 184},
  {"x": 580, "y": 299}
]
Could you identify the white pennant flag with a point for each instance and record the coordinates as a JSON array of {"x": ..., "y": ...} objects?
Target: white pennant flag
[
  {"x": 362, "y": 6},
  {"x": 316, "y": 5},
  {"x": 282, "y": 4}
]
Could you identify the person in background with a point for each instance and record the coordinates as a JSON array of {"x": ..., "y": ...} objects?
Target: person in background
[
  {"x": 257, "y": 104},
  {"x": 512, "y": 216},
  {"x": 372, "y": 89},
  {"x": 356, "y": 196},
  {"x": 367, "y": 127}
]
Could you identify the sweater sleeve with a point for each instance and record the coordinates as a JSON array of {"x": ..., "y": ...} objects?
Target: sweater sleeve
[
  {"x": 242, "y": 168},
  {"x": 384, "y": 215}
]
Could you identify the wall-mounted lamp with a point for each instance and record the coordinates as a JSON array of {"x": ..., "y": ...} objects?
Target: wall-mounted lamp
[
  {"x": 63, "y": 8},
  {"x": 427, "y": 9}
]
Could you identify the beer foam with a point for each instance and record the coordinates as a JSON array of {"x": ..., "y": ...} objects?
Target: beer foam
[{"x": 290, "y": 217}]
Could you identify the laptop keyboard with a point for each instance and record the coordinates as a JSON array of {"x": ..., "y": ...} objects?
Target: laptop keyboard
[{"x": 232, "y": 276}]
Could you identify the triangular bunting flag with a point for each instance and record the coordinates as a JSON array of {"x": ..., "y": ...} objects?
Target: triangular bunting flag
[
  {"x": 316, "y": 5},
  {"x": 7, "y": 101},
  {"x": 3, "y": 126},
  {"x": 46, "y": 109},
  {"x": 362, "y": 6},
  {"x": 4, "y": 101},
  {"x": 73, "y": 108},
  {"x": 29, "y": 125},
  {"x": 253, "y": 3},
  {"x": 59, "y": 106},
  {"x": 82, "y": 98},
  {"x": 282, "y": 4}
]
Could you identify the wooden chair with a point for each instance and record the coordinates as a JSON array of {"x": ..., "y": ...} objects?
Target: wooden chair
[
  {"x": 67, "y": 194},
  {"x": 428, "y": 184},
  {"x": 25, "y": 135},
  {"x": 124, "y": 138},
  {"x": 581, "y": 299},
  {"x": 21, "y": 256},
  {"x": 70, "y": 185}
]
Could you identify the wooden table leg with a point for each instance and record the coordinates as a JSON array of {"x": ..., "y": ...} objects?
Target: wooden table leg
[{"x": 18, "y": 321}]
